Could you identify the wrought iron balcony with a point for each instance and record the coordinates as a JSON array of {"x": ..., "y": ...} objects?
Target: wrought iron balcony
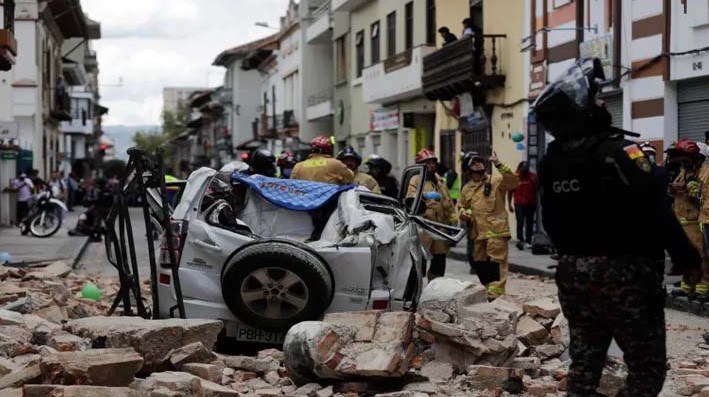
[{"x": 460, "y": 67}]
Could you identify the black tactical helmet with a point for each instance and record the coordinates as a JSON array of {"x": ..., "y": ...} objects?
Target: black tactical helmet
[
  {"x": 567, "y": 108},
  {"x": 263, "y": 162},
  {"x": 380, "y": 163},
  {"x": 349, "y": 153}
]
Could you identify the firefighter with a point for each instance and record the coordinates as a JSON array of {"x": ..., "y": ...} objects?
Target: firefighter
[
  {"x": 349, "y": 157},
  {"x": 321, "y": 167},
  {"x": 482, "y": 203},
  {"x": 439, "y": 208},
  {"x": 286, "y": 162},
  {"x": 691, "y": 210}
]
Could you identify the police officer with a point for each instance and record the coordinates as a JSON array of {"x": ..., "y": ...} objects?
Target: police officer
[
  {"x": 320, "y": 166},
  {"x": 482, "y": 204},
  {"x": 353, "y": 160},
  {"x": 594, "y": 183},
  {"x": 439, "y": 208}
]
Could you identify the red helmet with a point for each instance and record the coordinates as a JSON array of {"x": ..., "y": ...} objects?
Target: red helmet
[
  {"x": 687, "y": 146},
  {"x": 321, "y": 144},
  {"x": 424, "y": 155},
  {"x": 286, "y": 160}
]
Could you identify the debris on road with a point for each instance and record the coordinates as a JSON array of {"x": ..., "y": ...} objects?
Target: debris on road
[{"x": 53, "y": 342}]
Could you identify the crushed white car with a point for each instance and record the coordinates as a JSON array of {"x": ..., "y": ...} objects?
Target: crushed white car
[{"x": 260, "y": 274}]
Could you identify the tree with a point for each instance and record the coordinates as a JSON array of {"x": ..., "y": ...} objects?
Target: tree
[
  {"x": 113, "y": 167},
  {"x": 151, "y": 140},
  {"x": 175, "y": 123}
]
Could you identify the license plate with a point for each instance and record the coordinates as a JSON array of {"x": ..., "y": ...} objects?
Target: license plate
[{"x": 244, "y": 333}]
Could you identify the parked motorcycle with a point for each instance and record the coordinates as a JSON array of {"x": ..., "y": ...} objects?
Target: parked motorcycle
[{"x": 44, "y": 217}]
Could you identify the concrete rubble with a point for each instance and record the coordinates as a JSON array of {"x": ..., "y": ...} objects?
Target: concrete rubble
[{"x": 54, "y": 343}]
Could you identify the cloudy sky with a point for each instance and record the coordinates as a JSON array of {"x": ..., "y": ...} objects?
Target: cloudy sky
[{"x": 150, "y": 44}]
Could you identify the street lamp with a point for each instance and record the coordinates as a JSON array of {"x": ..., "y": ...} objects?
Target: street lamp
[{"x": 265, "y": 25}]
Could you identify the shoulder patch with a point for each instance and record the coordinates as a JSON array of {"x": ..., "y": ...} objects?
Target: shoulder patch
[
  {"x": 634, "y": 152},
  {"x": 644, "y": 164}
]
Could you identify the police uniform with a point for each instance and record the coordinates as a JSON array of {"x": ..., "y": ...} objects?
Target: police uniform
[
  {"x": 363, "y": 179},
  {"x": 323, "y": 168},
  {"x": 441, "y": 211},
  {"x": 484, "y": 202},
  {"x": 607, "y": 216}
]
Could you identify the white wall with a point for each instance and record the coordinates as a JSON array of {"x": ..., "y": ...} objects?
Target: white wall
[
  {"x": 689, "y": 31},
  {"x": 245, "y": 85}
]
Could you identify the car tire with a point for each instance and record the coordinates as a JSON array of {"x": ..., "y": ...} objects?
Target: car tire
[{"x": 273, "y": 285}]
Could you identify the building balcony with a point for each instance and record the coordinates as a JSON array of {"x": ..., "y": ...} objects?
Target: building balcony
[
  {"x": 91, "y": 62},
  {"x": 83, "y": 126},
  {"x": 396, "y": 78},
  {"x": 347, "y": 5},
  {"x": 319, "y": 31},
  {"x": 8, "y": 49},
  {"x": 279, "y": 125},
  {"x": 459, "y": 67},
  {"x": 319, "y": 105},
  {"x": 61, "y": 108}
]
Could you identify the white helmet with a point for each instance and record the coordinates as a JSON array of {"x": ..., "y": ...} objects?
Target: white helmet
[{"x": 235, "y": 166}]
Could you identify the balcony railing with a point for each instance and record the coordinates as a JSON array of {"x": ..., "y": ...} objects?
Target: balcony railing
[
  {"x": 61, "y": 108},
  {"x": 464, "y": 66},
  {"x": 280, "y": 123},
  {"x": 320, "y": 97}
]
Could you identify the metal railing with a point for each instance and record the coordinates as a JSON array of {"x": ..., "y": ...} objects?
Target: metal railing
[{"x": 323, "y": 6}]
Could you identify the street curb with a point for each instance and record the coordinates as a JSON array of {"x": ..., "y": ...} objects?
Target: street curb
[
  {"x": 78, "y": 253},
  {"x": 513, "y": 267},
  {"x": 671, "y": 302}
]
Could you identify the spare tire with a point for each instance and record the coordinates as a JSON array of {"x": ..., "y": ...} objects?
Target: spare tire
[{"x": 272, "y": 285}]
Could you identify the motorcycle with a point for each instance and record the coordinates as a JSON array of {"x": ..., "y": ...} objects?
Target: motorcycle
[{"x": 44, "y": 217}]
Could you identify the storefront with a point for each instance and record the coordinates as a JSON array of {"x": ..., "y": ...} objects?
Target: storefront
[{"x": 693, "y": 108}]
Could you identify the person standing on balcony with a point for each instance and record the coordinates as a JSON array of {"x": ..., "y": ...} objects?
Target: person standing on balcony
[
  {"x": 468, "y": 28},
  {"x": 447, "y": 36}
]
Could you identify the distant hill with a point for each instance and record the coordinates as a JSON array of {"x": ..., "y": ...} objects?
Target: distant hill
[{"x": 122, "y": 136}]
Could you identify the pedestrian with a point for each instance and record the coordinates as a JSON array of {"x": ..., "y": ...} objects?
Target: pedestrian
[
  {"x": 379, "y": 168},
  {"x": 24, "y": 186},
  {"x": 439, "y": 208},
  {"x": 523, "y": 203},
  {"x": 36, "y": 181},
  {"x": 482, "y": 203},
  {"x": 605, "y": 213},
  {"x": 452, "y": 182},
  {"x": 468, "y": 28},
  {"x": 692, "y": 212},
  {"x": 321, "y": 167},
  {"x": 72, "y": 186},
  {"x": 353, "y": 160},
  {"x": 286, "y": 162},
  {"x": 447, "y": 36},
  {"x": 57, "y": 186}
]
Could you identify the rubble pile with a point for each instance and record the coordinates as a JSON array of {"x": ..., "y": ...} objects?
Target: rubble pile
[
  {"x": 691, "y": 378},
  {"x": 54, "y": 343}
]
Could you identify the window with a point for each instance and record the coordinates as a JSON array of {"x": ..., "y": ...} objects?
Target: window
[
  {"x": 361, "y": 144},
  {"x": 376, "y": 143},
  {"x": 359, "y": 43},
  {"x": 431, "y": 22},
  {"x": 340, "y": 60},
  {"x": 409, "y": 23},
  {"x": 374, "y": 32},
  {"x": 391, "y": 34}
]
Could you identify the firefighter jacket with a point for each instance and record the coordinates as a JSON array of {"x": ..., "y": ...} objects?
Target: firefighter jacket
[
  {"x": 366, "y": 180},
  {"x": 687, "y": 199},
  {"x": 484, "y": 202},
  {"x": 704, "y": 193},
  {"x": 323, "y": 168},
  {"x": 441, "y": 211}
]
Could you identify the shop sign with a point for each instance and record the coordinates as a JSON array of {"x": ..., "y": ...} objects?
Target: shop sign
[{"x": 384, "y": 119}]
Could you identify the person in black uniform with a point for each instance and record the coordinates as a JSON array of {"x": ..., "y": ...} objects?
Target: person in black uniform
[
  {"x": 594, "y": 183},
  {"x": 263, "y": 162},
  {"x": 379, "y": 169}
]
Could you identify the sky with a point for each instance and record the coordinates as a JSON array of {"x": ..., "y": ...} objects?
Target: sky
[{"x": 150, "y": 44}]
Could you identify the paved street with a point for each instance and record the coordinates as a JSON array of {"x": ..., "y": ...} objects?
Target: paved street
[
  {"x": 32, "y": 249},
  {"x": 95, "y": 262}
]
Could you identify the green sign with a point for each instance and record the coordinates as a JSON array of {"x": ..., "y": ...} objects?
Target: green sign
[{"x": 8, "y": 155}]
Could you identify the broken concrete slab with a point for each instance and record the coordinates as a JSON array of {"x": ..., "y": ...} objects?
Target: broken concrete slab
[
  {"x": 99, "y": 367},
  {"x": 364, "y": 323},
  {"x": 192, "y": 353},
  {"x": 559, "y": 331},
  {"x": 20, "y": 376},
  {"x": 531, "y": 332},
  {"x": 187, "y": 383},
  {"x": 51, "y": 272},
  {"x": 208, "y": 372},
  {"x": 438, "y": 371},
  {"x": 79, "y": 391},
  {"x": 66, "y": 342},
  {"x": 545, "y": 307},
  {"x": 152, "y": 339},
  {"x": 253, "y": 364}
]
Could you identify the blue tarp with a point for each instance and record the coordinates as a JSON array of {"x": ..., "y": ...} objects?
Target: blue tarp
[{"x": 293, "y": 194}]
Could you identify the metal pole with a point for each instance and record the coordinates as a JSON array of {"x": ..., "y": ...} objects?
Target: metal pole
[{"x": 151, "y": 248}]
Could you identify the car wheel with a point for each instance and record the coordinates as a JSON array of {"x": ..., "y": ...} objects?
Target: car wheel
[{"x": 273, "y": 285}]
